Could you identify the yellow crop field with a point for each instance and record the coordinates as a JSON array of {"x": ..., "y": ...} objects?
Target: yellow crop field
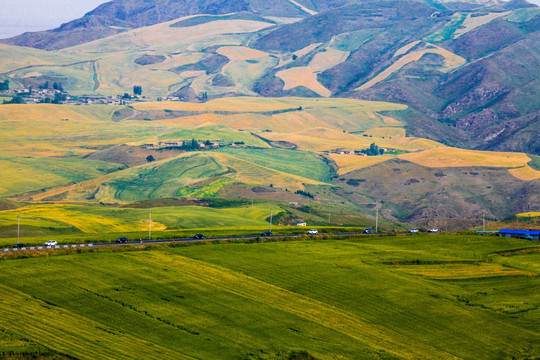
[
  {"x": 472, "y": 22},
  {"x": 530, "y": 214},
  {"x": 302, "y": 76},
  {"x": 454, "y": 157},
  {"x": 328, "y": 59},
  {"x": 348, "y": 163},
  {"x": 462, "y": 271},
  {"x": 240, "y": 53},
  {"x": 405, "y": 49},
  {"x": 525, "y": 173},
  {"x": 452, "y": 61}
]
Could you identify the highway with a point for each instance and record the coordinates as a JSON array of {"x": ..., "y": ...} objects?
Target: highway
[{"x": 241, "y": 237}]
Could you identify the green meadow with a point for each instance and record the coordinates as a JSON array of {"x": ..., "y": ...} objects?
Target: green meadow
[{"x": 399, "y": 297}]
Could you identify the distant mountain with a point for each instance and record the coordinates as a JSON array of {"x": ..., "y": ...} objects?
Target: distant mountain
[{"x": 120, "y": 15}]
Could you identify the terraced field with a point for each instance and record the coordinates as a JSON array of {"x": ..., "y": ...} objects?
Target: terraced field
[{"x": 367, "y": 298}]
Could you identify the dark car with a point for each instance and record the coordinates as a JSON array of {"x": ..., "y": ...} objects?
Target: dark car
[
  {"x": 197, "y": 236},
  {"x": 367, "y": 231},
  {"x": 19, "y": 246},
  {"x": 266, "y": 233},
  {"x": 121, "y": 240}
]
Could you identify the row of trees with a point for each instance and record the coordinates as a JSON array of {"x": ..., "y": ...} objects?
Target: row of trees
[{"x": 56, "y": 86}]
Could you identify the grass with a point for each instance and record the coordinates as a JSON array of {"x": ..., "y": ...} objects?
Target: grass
[{"x": 327, "y": 298}]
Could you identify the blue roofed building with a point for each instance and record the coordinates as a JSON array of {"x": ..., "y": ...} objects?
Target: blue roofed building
[{"x": 521, "y": 234}]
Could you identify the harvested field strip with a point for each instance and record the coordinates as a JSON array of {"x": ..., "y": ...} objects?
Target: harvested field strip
[
  {"x": 302, "y": 76},
  {"x": 462, "y": 271},
  {"x": 452, "y": 61},
  {"x": 69, "y": 333},
  {"x": 525, "y": 173},
  {"x": 472, "y": 22},
  {"x": 302, "y": 306},
  {"x": 454, "y": 157},
  {"x": 348, "y": 163}
]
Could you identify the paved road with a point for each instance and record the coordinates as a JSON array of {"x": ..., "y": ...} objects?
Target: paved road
[
  {"x": 188, "y": 240},
  {"x": 233, "y": 237}
]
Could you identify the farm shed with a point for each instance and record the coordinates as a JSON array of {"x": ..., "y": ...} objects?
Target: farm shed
[{"x": 521, "y": 234}]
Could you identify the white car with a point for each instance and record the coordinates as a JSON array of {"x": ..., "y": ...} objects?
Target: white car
[
  {"x": 312, "y": 232},
  {"x": 51, "y": 243},
  {"x": 433, "y": 230},
  {"x": 413, "y": 231}
]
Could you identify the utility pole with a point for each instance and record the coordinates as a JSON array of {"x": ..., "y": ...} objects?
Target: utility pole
[
  {"x": 377, "y": 220},
  {"x": 18, "y": 226},
  {"x": 483, "y": 222},
  {"x": 271, "y": 214},
  {"x": 150, "y": 224},
  {"x": 329, "y": 218}
]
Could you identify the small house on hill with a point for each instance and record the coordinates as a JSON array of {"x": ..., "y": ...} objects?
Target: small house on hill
[
  {"x": 520, "y": 234},
  {"x": 299, "y": 224}
]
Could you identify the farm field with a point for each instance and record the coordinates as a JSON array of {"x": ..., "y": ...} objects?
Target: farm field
[
  {"x": 401, "y": 297},
  {"x": 58, "y": 219}
]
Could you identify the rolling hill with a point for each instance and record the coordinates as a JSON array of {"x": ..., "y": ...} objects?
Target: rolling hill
[
  {"x": 292, "y": 150},
  {"x": 453, "y": 64}
]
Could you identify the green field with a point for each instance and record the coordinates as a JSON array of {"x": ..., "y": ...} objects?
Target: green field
[
  {"x": 52, "y": 220},
  {"x": 404, "y": 297},
  {"x": 301, "y": 163}
]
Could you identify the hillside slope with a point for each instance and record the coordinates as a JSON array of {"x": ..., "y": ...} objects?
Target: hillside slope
[{"x": 120, "y": 15}]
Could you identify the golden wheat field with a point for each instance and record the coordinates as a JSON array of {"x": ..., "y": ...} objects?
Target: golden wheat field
[{"x": 454, "y": 157}]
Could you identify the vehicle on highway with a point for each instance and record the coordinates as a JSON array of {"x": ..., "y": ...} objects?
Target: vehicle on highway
[
  {"x": 313, "y": 232},
  {"x": 19, "y": 246},
  {"x": 433, "y": 230},
  {"x": 198, "y": 236},
  {"x": 266, "y": 233},
  {"x": 413, "y": 230},
  {"x": 367, "y": 231},
  {"x": 51, "y": 243},
  {"x": 121, "y": 240}
]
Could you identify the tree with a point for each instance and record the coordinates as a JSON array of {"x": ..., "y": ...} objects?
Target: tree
[
  {"x": 59, "y": 97},
  {"x": 58, "y": 86},
  {"x": 4, "y": 85},
  {"x": 373, "y": 150},
  {"x": 194, "y": 144},
  {"x": 204, "y": 96},
  {"x": 44, "y": 86},
  {"x": 137, "y": 90},
  {"x": 16, "y": 100},
  {"x": 150, "y": 158}
]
